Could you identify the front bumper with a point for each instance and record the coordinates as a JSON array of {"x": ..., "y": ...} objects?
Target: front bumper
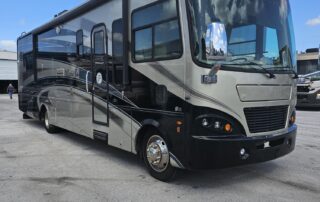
[{"x": 207, "y": 153}]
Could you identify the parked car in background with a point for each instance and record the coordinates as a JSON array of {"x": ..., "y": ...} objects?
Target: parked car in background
[{"x": 309, "y": 90}]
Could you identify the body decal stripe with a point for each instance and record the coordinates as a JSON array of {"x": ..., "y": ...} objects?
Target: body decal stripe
[{"x": 162, "y": 70}]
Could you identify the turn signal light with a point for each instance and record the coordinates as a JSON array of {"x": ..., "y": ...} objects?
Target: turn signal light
[
  {"x": 292, "y": 118},
  {"x": 179, "y": 124},
  {"x": 228, "y": 128}
]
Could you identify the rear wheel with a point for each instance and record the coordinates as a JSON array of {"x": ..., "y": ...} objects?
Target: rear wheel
[
  {"x": 50, "y": 128},
  {"x": 157, "y": 157}
]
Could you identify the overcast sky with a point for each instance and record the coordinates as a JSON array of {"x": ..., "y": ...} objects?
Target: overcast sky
[{"x": 17, "y": 16}]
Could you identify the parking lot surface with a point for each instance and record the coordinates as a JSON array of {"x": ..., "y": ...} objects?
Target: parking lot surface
[{"x": 37, "y": 166}]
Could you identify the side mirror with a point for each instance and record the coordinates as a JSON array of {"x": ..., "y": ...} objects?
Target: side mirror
[{"x": 216, "y": 42}]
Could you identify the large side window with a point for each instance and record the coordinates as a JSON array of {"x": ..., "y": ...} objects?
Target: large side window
[
  {"x": 25, "y": 44},
  {"x": 58, "y": 40},
  {"x": 167, "y": 40},
  {"x": 79, "y": 42},
  {"x": 156, "y": 32},
  {"x": 116, "y": 73},
  {"x": 25, "y": 57},
  {"x": 143, "y": 44},
  {"x": 117, "y": 41}
]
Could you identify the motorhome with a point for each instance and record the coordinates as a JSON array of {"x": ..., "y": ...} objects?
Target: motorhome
[{"x": 183, "y": 84}]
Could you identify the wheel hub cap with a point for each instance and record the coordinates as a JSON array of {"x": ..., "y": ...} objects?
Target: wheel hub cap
[{"x": 157, "y": 153}]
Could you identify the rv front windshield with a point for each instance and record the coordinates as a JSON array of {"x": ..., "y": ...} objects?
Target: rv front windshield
[{"x": 242, "y": 34}]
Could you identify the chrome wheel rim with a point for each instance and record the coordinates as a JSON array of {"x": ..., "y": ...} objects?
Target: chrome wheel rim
[
  {"x": 157, "y": 153},
  {"x": 46, "y": 120}
]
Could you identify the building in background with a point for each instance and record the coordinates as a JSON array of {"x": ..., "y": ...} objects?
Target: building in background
[
  {"x": 308, "y": 62},
  {"x": 8, "y": 70}
]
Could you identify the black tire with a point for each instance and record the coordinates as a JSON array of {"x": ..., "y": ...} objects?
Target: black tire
[
  {"x": 45, "y": 120},
  {"x": 168, "y": 172}
]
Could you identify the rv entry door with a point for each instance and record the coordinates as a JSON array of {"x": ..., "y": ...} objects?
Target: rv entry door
[{"x": 100, "y": 87}]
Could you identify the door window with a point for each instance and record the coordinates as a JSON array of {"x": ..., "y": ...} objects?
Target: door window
[{"x": 99, "y": 43}]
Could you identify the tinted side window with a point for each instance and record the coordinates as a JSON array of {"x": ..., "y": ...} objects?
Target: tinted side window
[
  {"x": 167, "y": 40},
  {"x": 79, "y": 42},
  {"x": 156, "y": 32},
  {"x": 116, "y": 72},
  {"x": 117, "y": 40},
  {"x": 143, "y": 44},
  {"x": 25, "y": 57},
  {"x": 57, "y": 41},
  {"x": 25, "y": 44},
  {"x": 79, "y": 39},
  {"x": 155, "y": 13}
]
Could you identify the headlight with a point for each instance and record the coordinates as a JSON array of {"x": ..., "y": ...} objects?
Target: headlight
[
  {"x": 216, "y": 124},
  {"x": 205, "y": 122},
  {"x": 318, "y": 96},
  {"x": 213, "y": 123}
]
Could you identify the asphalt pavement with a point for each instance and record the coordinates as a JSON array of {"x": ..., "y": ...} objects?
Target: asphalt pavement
[{"x": 37, "y": 166}]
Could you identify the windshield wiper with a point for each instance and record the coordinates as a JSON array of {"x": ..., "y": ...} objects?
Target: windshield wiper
[{"x": 270, "y": 74}]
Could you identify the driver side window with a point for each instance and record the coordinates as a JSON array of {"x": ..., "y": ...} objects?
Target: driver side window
[{"x": 156, "y": 32}]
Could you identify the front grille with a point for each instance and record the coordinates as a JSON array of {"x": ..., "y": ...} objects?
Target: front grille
[
  {"x": 265, "y": 119},
  {"x": 303, "y": 89}
]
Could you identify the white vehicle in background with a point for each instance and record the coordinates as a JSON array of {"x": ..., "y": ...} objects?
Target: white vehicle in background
[{"x": 309, "y": 90}]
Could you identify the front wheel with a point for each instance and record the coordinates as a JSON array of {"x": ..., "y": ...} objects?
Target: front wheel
[{"x": 157, "y": 157}]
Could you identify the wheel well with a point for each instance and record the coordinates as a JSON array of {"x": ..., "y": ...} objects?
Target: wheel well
[{"x": 142, "y": 133}]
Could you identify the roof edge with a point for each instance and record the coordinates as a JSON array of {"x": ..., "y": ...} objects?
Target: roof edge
[{"x": 83, "y": 8}]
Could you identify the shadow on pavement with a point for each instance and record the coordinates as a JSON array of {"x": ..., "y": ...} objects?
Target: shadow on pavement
[{"x": 194, "y": 179}]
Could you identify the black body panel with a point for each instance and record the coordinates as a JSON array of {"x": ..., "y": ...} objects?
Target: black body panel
[
  {"x": 208, "y": 153},
  {"x": 67, "y": 62}
]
